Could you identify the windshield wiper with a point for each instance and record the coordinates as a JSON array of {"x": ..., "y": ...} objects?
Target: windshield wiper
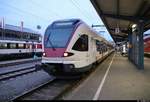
[{"x": 48, "y": 40}]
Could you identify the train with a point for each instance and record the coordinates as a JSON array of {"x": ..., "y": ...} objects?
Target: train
[
  {"x": 17, "y": 44},
  {"x": 147, "y": 45},
  {"x": 71, "y": 47}
]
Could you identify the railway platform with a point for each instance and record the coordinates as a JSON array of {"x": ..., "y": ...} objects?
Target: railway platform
[{"x": 116, "y": 78}]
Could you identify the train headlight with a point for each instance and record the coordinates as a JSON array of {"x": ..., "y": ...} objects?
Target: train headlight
[
  {"x": 44, "y": 54},
  {"x": 67, "y": 54}
]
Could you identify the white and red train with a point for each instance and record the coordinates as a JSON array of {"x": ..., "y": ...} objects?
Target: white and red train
[
  {"x": 72, "y": 47},
  {"x": 15, "y": 44},
  {"x": 147, "y": 43}
]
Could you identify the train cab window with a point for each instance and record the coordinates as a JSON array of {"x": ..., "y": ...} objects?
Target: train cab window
[{"x": 81, "y": 44}]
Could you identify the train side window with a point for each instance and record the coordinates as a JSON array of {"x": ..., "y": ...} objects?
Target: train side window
[
  {"x": 21, "y": 46},
  {"x": 7, "y": 35},
  {"x": 98, "y": 46},
  {"x": 13, "y": 46},
  {"x": 25, "y": 36},
  {"x": 39, "y": 46},
  {"x": 0, "y": 34},
  {"x": 27, "y": 46},
  {"x": 81, "y": 44},
  {"x": 3, "y": 45}
]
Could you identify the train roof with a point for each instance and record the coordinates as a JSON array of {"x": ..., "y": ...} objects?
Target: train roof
[
  {"x": 98, "y": 36},
  {"x": 68, "y": 20},
  {"x": 17, "y": 28},
  {"x": 65, "y": 22},
  {"x": 75, "y": 21}
]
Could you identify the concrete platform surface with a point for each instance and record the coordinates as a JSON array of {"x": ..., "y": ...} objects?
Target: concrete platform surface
[{"x": 116, "y": 78}]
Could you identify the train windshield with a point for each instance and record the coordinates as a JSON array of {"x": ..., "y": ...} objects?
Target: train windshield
[{"x": 57, "y": 37}]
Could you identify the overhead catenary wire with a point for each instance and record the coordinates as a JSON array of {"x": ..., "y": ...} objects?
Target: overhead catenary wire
[
  {"x": 84, "y": 10},
  {"x": 13, "y": 12},
  {"x": 20, "y": 10},
  {"x": 21, "y": 14},
  {"x": 77, "y": 6},
  {"x": 46, "y": 9}
]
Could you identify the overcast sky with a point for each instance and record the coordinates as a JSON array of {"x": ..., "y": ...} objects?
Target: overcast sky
[{"x": 44, "y": 12}]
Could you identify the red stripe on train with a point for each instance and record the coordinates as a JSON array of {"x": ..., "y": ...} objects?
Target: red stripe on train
[{"x": 58, "y": 52}]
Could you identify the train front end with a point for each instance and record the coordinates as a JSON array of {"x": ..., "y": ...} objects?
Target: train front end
[{"x": 56, "y": 58}]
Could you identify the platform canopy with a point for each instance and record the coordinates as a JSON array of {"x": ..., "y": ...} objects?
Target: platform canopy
[{"x": 119, "y": 15}]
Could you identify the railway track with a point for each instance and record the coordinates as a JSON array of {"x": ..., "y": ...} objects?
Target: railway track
[
  {"x": 55, "y": 89},
  {"x": 52, "y": 90},
  {"x": 15, "y": 73},
  {"x": 48, "y": 91},
  {"x": 14, "y": 62}
]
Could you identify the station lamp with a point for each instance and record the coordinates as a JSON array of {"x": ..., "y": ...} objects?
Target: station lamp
[{"x": 134, "y": 25}]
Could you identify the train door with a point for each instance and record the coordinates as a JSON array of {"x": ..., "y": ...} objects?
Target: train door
[
  {"x": 98, "y": 50},
  {"x": 92, "y": 50},
  {"x": 33, "y": 47},
  {"x": 88, "y": 54},
  {"x": 27, "y": 46},
  {"x": 30, "y": 47}
]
